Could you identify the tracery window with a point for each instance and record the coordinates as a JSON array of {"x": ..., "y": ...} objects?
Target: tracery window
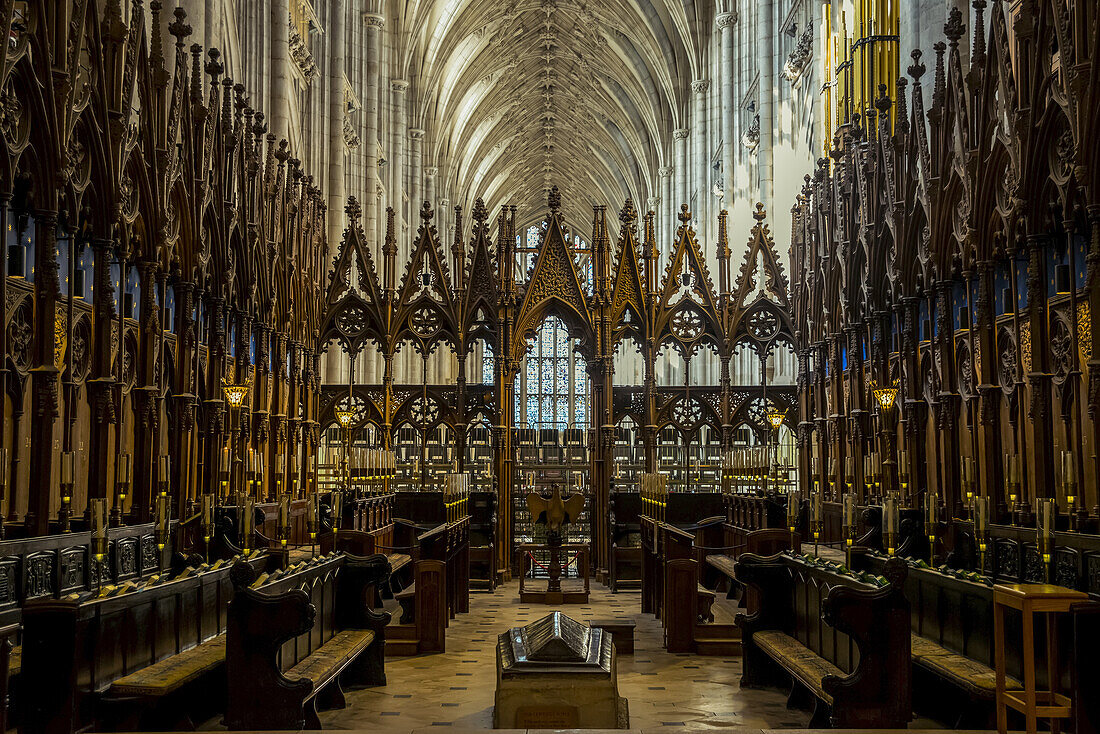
[
  {"x": 553, "y": 390},
  {"x": 551, "y": 387}
]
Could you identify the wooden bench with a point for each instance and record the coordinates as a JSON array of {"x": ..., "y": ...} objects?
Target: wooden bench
[
  {"x": 294, "y": 639},
  {"x": 621, "y": 631},
  {"x": 951, "y": 644},
  {"x": 842, "y": 642},
  {"x": 127, "y": 657}
]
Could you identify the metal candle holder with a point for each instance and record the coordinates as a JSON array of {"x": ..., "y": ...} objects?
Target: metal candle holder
[
  {"x": 931, "y": 523},
  {"x": 890, "y": 523},
  {"x": 207, "y": 521},
  {"x": 68, "y": 480},
  {"x": 1012, "y": 462},
  {"x": 98, "y": 510},
  {"x": 1045, "y": 509},
  {"x": 981, "y": 528},
  {"x": 283, "y": 529},
  {"x": 163, "y": 528},
  {"x": 816, "y": 518},
  {"x": 849, "y": 519}
]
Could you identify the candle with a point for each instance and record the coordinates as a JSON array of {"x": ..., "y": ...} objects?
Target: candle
[
  {"x": 849, "y": 517},
  {"x": 207, "y": 516},
  {"x": 162, "y": 528},
  {"x": 284, "y": 519},
  {"x": 68, "y": 468},
  {"x": 99, "y": 527},
  {"x": 1069, "y": 475},
  {"x": 165, "y": 471},
  {"x": 5, "y": 469},
  {"x": 224, "y": 465}
]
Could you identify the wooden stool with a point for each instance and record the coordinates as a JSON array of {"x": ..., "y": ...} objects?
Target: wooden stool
[{"x": 1031, "y": 599}]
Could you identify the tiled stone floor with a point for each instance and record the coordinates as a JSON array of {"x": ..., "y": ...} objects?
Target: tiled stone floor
[{"x": 456, "y": 688}]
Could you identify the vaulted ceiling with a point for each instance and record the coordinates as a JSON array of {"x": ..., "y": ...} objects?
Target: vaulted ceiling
[{"x": 524, "y": 94}]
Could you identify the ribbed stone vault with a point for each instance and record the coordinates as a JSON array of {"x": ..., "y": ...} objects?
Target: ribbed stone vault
[{"x": 534, "y": 93}]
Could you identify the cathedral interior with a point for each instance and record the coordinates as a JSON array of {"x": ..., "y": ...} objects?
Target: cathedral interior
[{"x": 380, "y": 365}]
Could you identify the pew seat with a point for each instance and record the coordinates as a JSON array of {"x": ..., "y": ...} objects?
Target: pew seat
[
  {"x": 171, "y": 673},
  {"x": 407, "y": 599},
  {"x": 723, "y": 564},
  {"x": 15, "y": 661},
  {"x": 706, "y": 601},
  {"x": 800, "y": 661},
  {"x": 974, "y": 678},
  {"x": 398, "y": 561},
  {"x": 329, "y": 660}
]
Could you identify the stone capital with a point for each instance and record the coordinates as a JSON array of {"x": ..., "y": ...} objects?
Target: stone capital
[
  {"x": 654, "y": 201},
  {"x": 431, "y": 171},
  {"x": 700, "y": 86},
  {"x": 664, "y": 171},
  {"x": 681, "y": 133},
  {"x": 726, "y": 20},
  {"x": 399, "y": 85},
  {"x": 416, "y": 133},
  {"x": 374, "y": 20}
]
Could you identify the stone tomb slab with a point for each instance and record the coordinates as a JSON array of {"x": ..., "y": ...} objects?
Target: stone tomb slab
[{"x": 557, "y": 673}]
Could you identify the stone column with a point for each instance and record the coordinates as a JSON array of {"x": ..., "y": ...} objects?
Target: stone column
[
  {"x": 416, "y": 179},
  {"x": 374, "y": 26},
  {"x": 702, "y": 166},
  {"x": 664, "y": 216},
  {"x": 336, "y": 146},
  {"x": 683, "y": 174},
  {"x": 280, "y": 69},
  {"x": 726, "y": 23},
  {"x": 399, "y": 94},
  {"x": 429, "y": 195},
  {"x": 765, "y": 60}
]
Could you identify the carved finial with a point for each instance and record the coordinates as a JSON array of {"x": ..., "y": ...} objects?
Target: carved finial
[
  {"x": 155, "y": 49},
  {"x": 954, "y": 28},
  {"x": 760, "y": 214},
  {"x": 481, "y": 214},
  {"x": 456, "y": 246},
  {"x": 353, "y": 210},
  {"x": 426, "y": 212},
  {"x": 978, "y": 57},
  {"x": 389, "y": 248},
  {"x": 883, "y": 103},
  {"x": 554, "y": 199},
  {"x": 902, "y": 123},
  {"x": 214, "y": 67},
  {"x": 684, "y": 215},
  {"x": 916, "y": 69},
  {"x": 179, "y": 27},
  {"x": 940, "y": 83},
  {"x": 628, "y": 215},
  {"x": 724, "y": 252}
]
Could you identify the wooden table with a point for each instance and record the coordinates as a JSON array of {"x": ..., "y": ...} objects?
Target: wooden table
[{"x": 1031, "y": 599}]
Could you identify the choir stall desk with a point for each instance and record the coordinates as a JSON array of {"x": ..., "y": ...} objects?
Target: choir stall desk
[{"x": 1030, "y": 600}]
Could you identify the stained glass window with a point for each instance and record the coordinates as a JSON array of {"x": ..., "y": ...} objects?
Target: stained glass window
[
  {"x": 488, "y": 374},
  {"x": 553, "y": 392}
]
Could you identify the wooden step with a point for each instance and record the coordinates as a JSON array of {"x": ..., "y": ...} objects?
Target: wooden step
[
  {"x": 710, "y": 646},
  {"x": 402, "y": 648},
  {"x": 401, "y": 632}
]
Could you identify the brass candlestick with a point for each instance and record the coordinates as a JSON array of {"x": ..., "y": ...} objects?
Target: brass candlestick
[
  {"x": 931, "y": 523},
  {"x": 1045, "y": 508},
  {"x": 890, "y": 523},
  {"x": 849, "y": 520}
]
